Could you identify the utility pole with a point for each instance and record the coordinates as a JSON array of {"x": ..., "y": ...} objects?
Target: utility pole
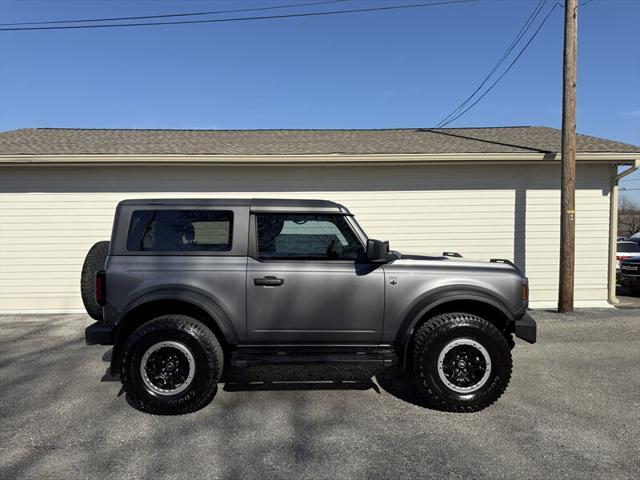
[{"x": 568, "y": 179}]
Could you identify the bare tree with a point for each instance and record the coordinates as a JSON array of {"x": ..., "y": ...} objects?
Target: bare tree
[{"x": 628, "y": 218}]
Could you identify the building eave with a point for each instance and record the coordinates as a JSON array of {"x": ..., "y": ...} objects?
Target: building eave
[{"x": 323, "y": 159}]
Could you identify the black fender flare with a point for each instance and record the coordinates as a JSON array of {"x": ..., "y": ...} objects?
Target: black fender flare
[
  {"x": 193, "y": 297},
  {"x": 429, "y": 301}
]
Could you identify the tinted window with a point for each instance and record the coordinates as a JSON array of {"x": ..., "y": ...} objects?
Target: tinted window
[
  {"x": 312, "y": 237},
  {"x": 180, "y": 230},
  {"x": 628, "y": 247}
]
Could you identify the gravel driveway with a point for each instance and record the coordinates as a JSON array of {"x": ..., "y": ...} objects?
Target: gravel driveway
[{"x": 572, "y": 411}]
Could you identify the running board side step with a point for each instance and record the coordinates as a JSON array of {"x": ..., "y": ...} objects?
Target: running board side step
[{"x": 246, "y": 357}]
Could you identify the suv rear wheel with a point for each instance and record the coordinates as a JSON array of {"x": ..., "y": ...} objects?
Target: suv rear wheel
[
  {"x": 462, "y": 363},
  {"x": 171, "y": 365}
]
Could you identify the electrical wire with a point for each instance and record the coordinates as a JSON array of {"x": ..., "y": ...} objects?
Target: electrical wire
[
  {"x": 143, "y": 17},
  {"x": 442, "y": 125},
  {"x": 242, "y": 19},
  {"x": 536, "y": 11}
]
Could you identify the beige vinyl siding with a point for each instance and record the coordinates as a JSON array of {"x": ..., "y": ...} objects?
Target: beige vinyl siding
[{"x": 50, "y": 216}]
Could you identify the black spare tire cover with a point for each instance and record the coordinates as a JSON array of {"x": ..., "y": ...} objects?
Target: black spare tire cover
[{"x": 93, "y": 262}]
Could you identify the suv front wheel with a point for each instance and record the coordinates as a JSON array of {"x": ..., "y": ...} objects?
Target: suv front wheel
[
  {"x": 461, "y": 362},
  {"x": 171, "y": 365}
]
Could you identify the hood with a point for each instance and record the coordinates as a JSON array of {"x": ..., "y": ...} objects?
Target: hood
[{"x": 459, "y": 262}]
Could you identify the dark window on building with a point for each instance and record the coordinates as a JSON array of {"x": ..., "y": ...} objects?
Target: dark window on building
[
  {"x": 180, "y": 231},
  {"x": 306, "y": 237}
]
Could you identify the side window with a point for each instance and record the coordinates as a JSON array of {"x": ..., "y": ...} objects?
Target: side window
[
  {"x": 180, "y": 230},
  {"x": 306, "y": 237}
]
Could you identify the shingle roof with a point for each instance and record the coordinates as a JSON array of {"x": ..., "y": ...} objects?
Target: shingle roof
[{"x": 68, "y": 141}]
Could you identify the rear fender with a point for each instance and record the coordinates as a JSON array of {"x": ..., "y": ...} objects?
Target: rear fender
[{"x": 201, "y": 301}]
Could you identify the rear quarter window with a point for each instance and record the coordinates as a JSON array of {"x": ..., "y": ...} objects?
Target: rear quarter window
[{"x": 180, "y": 231}]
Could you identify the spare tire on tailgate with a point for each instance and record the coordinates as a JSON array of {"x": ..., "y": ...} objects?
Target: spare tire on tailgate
[{"x": 93, "y": 262}]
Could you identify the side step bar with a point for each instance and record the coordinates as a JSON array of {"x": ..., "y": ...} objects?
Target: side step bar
[{"x": 245, "y": 357}]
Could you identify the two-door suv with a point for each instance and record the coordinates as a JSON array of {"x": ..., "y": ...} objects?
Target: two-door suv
[{"x": 186, "y": 287}]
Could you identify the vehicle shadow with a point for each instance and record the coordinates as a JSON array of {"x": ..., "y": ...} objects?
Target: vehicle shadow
[
  {"x": 626, "y": 292},
  {"x": 107, "y": 377},
  {"x": 400, "y": 385},
  {"x": 627, "y": 298}
]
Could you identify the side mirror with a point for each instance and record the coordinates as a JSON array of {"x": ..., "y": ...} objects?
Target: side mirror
[{"x": 377, "y": 251}]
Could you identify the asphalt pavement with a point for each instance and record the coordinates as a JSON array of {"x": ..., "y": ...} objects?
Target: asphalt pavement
[{"x": 571, "y": 411}]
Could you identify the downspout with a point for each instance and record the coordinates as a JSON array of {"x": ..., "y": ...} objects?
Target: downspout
[{"x": 613, "y": 230}]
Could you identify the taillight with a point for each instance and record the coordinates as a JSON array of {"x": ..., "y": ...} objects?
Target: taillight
[
  {"x": 621, "y": 258},
  {"x": 101, "y": 287},
  {"x": 525, "y": 292}
]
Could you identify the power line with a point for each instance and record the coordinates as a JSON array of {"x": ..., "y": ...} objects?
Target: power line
[
  {"x": 510, "y": 48},
  {"x": 191, "y": 14},
  {"x": 243, "y": 19},
  {"x": 447, "y": 120},
  {"x": 544, "y": 20}
]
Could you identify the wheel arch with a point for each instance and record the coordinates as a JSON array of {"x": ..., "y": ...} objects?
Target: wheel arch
[
  {"x": 477, "y": 301},
  {"x": 151, "y": 306}
]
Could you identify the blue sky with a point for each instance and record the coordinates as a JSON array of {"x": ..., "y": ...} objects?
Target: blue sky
[{"x": 401, "y": 68}]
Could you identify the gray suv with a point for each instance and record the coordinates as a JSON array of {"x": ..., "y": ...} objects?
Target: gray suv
[{"x": 186, "y": 287}]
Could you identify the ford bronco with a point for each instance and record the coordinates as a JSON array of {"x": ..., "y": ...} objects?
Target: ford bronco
[{"x": 186, "y": 287}]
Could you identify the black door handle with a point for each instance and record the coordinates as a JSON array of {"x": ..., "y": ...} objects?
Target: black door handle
[{"x": 268, "y": 281}]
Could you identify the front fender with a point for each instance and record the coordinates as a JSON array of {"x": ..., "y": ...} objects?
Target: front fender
[{"x": 431, "y": 300}]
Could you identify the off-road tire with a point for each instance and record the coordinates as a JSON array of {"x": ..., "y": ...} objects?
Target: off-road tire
[
  {"x": 93, "y": 262},
  {"x": 429, "y": 341},
  {"x": 207, "y": 353}
]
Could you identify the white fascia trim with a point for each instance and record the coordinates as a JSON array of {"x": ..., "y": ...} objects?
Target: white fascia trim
[{"x": 623, "y": 158}]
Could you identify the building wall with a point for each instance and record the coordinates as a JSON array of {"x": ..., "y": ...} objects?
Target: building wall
[{"x": 50, "y": 216}]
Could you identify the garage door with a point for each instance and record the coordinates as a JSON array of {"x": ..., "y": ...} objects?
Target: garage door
[{"x": 50, "y": 216}]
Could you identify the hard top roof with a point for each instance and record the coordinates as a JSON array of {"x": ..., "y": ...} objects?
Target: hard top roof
[{"x": 255, "y": 204}]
